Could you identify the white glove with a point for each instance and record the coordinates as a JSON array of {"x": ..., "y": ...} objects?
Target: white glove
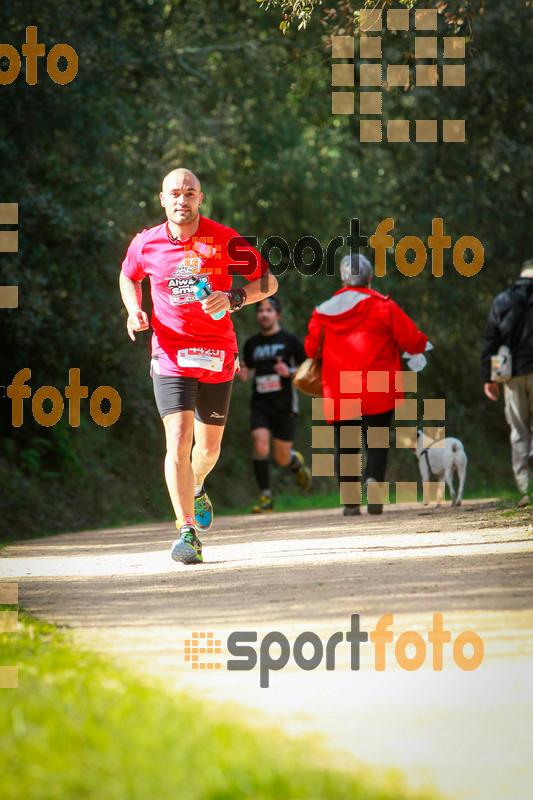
[{"x": 417, "y": 362}]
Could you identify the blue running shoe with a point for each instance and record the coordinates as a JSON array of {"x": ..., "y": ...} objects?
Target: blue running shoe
[
  {"x": 188, "y": 548},
  {"x": 203, "y": 512}
]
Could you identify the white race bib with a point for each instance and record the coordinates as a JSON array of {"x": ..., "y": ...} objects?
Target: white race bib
[
  {"x": 201, "y": 358},
  {"x": 267, "y": 383}
]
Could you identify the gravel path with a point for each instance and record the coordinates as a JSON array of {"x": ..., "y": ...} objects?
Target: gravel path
[{"x": 467, "y": 732}]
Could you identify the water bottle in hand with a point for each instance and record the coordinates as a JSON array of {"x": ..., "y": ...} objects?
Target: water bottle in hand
[{"x": 201, "y": 290}]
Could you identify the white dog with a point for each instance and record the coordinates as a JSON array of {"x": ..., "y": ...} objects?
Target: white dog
[{"x": 440, "y": 460}]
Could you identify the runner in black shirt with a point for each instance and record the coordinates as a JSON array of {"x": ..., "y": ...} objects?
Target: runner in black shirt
[{"x": 273, "y": 354}]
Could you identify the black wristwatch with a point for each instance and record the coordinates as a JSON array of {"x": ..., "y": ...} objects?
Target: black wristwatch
[{"x": 237, "y": 298}]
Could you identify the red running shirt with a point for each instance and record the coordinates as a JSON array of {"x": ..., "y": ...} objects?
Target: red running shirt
[{"x": 213, "y": 254}]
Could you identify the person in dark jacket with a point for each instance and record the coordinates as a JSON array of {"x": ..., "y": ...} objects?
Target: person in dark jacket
[
  {"x": 363, "y": 334},
  {"x": 510, "y": 322},
  {"x": 272, "y": 356}
]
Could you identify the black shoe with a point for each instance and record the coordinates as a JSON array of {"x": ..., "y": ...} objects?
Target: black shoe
[
  {"x": 373, "y": 508},
  {"x": 351, "y": 511}
]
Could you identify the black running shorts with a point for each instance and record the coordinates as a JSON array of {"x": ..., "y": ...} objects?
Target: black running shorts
[
  {"x": 282, "y": 424},
  {"x": 209, "y": 401}
]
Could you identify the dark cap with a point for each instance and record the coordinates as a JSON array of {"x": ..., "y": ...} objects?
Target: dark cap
[{"x": 274, "y": 302}]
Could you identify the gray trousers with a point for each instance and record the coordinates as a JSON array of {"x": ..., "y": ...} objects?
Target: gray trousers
[{"x": 518, "y": 395}]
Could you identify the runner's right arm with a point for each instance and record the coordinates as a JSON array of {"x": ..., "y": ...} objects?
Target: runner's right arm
[{"x": 131, "y": 292}]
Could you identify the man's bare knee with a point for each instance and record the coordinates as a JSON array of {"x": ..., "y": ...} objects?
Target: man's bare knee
[
  {"x": 206, "y": 451},
  {"x": 178, "y": 437},
  {"x": 179, "y": 443},
  {"x": 261, "y": 443}
]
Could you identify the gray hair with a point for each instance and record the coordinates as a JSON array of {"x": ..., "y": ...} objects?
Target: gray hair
[
  {"x": 527, "y": 269},
  {"x": 356, "y": 270}
]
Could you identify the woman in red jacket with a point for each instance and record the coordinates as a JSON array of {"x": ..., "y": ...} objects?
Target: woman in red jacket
[{"x": 360, "y": 334}]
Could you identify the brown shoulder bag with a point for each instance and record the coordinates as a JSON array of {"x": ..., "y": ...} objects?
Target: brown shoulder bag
[{"x": 308, "y": 378}]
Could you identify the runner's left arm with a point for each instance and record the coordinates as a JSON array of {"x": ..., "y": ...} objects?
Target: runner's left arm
[
  {"x": 256, "y": 290},
  {"x": 296, "y": 355}
]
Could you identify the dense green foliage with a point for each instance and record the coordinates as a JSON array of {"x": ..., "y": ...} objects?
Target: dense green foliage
[
  {"x": 217, "y": 87},
  {"x": 79, "y": 727}
]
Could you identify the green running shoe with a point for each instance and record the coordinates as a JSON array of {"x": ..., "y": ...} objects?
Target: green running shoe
[
  {"x": 188, "y": 548},
  {"x": 203, "y": 512}
]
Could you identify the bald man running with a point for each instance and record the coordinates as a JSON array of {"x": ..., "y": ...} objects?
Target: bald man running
[{"x": 194, "y": 356}]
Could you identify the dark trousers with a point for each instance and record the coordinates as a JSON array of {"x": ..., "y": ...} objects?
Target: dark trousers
[{"x": 376, "y": 457}]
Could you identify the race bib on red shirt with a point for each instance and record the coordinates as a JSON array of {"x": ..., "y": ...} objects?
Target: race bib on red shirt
[{"x": 201, "y": 358}]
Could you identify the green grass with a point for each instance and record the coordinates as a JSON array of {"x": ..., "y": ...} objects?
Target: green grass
[
  {"x": 287, "y": 501},
  {"x": 78, "y": 728}
]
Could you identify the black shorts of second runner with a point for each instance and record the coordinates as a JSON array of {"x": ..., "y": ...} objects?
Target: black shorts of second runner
[
  {"x": 209, "y": 401},
  {"x": 282, "y": 424}
]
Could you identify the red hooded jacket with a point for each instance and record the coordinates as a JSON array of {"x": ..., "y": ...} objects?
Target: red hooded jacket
[{"x": 364, "y": 332}]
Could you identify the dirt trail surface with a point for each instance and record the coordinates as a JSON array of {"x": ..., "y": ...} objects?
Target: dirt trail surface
[{"x": 469, "y": 733}]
